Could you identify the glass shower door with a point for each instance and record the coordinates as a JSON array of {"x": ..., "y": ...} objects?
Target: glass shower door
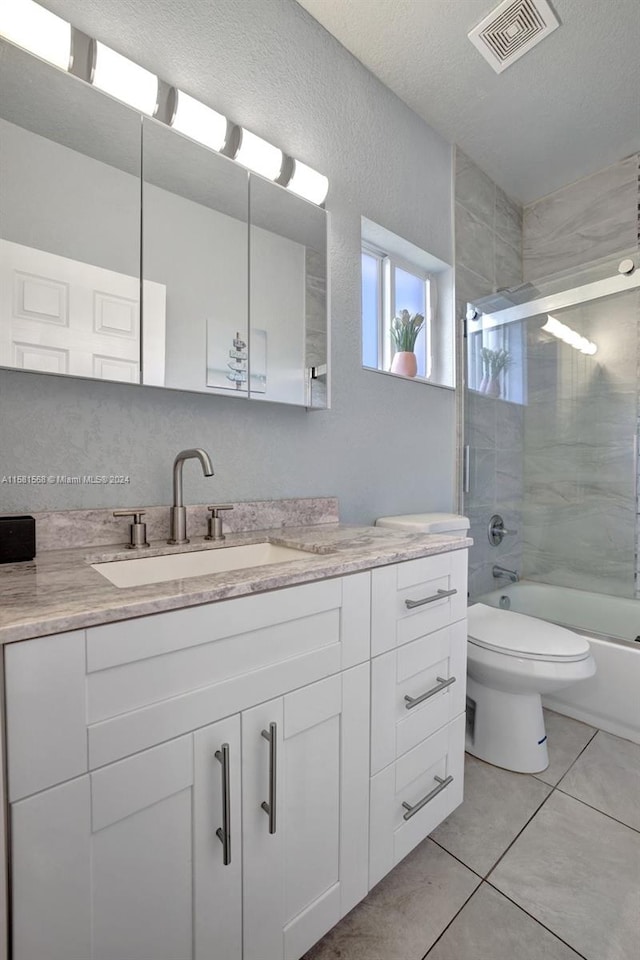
[{"x": 551, "y": 425}]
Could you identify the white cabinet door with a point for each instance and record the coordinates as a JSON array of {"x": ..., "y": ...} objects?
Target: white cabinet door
[
  {"x": 115, "y": 864},
  {"x": 302, "y": 877}
]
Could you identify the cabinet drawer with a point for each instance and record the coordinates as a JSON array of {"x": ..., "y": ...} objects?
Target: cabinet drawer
[
  {"x": 417, "y": 597},
  {"x": 82, "y": 700},
  {"x": 419, "y": 777},
  {"x": 416, "y": 670}
]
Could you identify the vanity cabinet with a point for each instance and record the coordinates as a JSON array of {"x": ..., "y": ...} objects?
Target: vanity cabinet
[
  {"x": 229, "y": 780},
  {"x": 418, "y": 698},
  {"x": 119, "y": 748}
]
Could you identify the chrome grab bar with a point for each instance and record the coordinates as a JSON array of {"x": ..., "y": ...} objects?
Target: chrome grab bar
[
  {"x": 441, "y": 685},
  {"x": 412, "y": 810},
  {"x": 439, "y": 595},
  {"x": 269, "y": 806},
  {"x": 223, "y": 833}
]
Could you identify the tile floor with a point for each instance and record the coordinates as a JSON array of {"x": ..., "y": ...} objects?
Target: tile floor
[{"x": 542, "y": 867}]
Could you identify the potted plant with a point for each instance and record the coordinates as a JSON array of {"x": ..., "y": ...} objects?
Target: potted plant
[
  {"x": 493, "y": 363},
  {"x": 404, "y": 333}
]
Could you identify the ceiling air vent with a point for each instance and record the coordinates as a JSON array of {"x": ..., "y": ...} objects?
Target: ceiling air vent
[{"x": 512, "y": 30}]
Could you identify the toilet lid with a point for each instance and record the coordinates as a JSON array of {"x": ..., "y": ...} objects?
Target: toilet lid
[{"x": 518, "y": 635}]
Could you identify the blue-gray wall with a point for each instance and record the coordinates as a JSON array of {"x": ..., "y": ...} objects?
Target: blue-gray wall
[{"x": 386, "y": 446}]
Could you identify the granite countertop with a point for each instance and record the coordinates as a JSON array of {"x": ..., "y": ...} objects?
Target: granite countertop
[{"x": 59, "y": 590}]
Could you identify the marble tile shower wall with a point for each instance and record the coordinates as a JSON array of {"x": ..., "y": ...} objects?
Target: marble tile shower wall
[
  {"x": 589, "y": 220},
  {"x": 488, "y": 258},
  {"x": 582, "y": 478},
  {"x": 580, "y": 500}
]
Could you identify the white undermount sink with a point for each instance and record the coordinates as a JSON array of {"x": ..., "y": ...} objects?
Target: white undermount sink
[{"x": 197, "y": 563}]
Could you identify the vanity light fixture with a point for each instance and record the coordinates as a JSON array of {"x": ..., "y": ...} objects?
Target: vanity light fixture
[
  {"x": 308, "y": 183},
  {"x": 125, "y": 80},
  {"x": 569, "y": 336},
  {"x": 259, "y": 155},
  {"x": 36, "y": 30},
  {"x": 28, "y": 25},
  {"x": 199, "y": 122}
]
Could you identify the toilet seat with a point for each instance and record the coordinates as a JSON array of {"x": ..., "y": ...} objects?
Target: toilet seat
[{"x": 518, "y": 635}]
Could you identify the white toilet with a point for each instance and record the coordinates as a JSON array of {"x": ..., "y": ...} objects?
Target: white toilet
[{"x": 512, "y": 660}]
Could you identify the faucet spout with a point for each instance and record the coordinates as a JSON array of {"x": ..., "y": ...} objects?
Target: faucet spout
[
  {"x": 511, "y": 575},
  {"x": 178, "y": 510}
]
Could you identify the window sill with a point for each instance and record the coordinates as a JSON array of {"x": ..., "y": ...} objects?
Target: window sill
[{"x": 400, "y": 376}]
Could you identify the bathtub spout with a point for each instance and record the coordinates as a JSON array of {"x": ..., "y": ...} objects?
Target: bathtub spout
[{"x": 499, "y": 572}]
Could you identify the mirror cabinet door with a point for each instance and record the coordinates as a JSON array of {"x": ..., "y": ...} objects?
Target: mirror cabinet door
[
  {"x": 288, "y": 297},
  {"x": 69, "y": 225},
  {"x": 195, "y": 265}
]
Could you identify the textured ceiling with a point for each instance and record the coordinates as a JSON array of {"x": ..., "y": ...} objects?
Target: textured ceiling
[{"x": 566, "y": 109}]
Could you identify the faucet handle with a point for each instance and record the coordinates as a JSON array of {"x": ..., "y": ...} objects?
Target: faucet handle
[
  {"x": 215, "y": 521},
  {"x": 219, "y": 506},
  {"x": 137, "y": 530}
]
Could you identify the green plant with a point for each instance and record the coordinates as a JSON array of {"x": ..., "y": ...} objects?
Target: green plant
[
  {"x": 494, "y": 361},
  {"x": 405, "y": 329}
]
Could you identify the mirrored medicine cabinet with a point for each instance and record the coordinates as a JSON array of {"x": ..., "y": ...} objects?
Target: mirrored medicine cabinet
[{"x": 131, "y": 253}]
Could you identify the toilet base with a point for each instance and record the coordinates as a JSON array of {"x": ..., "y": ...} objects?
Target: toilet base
[{"x": 508, "y": 729}]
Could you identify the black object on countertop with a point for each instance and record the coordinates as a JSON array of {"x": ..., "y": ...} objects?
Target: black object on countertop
[{"x": 17, "y": 539}]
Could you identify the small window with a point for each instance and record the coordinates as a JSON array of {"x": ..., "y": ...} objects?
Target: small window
[{"x": 399, "y": 310}]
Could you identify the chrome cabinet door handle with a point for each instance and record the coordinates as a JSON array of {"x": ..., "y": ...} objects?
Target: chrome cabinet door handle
[
  {"x": 269, "y": 806},
  {"x": 439, "y": 595},
  {"x": 412, "y": 810},
  {"x": 223, "y": 833},
  {"x": 441, "y": 685}
]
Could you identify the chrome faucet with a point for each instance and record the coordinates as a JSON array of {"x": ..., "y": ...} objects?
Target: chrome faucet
[
  {"x": 178, "y": 510},
  {"x": 511, "y": 575}
]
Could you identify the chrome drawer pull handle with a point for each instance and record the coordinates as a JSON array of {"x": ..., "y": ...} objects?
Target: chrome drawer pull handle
[
  {"x": 223, "y": 833},
  {"x": 439, "y": 595},
  {"x": 411, "y": 810},
  {"x": 441, "y": 685},
  {"x": 270, "y": 807}
]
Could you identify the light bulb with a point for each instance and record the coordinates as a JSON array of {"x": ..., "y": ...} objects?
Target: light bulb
[
  {"x": 308, "y": 183},
  {"x": 125, "y": 80},
  {"x": 198, "y": 121},
  {"x": 37, "y": 30},
  {"x": 259, "y": 155}
]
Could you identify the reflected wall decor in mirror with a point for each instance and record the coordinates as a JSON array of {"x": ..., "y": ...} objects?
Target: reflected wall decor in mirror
[{"x": 98, "y": 203}]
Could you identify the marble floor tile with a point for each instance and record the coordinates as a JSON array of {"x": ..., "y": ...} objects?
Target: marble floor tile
[
  {"x": 565, "y": 739},
  {"x": 490, "y": 927},
  {"x": 577, "y": 871},
  {"x": 607, "y": 776},
  {"x": 496, "y": 806},
  {"x": 405, "y": 913}
]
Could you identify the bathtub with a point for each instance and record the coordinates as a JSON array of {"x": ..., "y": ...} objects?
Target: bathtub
[{"x": 611, "y": 699}]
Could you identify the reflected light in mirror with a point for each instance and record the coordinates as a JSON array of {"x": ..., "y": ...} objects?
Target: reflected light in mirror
[
  {"x": 569, "y": 336},
  {"x": 308, "y": 183},
  {"x": 199, "y": 122},
  {"x": 37, "y": 30},
  {"x": 258, "y": 155},
  {"x": 125, "y": 80}
]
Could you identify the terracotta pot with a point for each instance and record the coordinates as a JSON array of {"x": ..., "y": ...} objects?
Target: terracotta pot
[{"x": 404, "y": 363}]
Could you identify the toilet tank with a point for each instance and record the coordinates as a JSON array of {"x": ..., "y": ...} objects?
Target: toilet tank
[{"x": 450, "y": 524}]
